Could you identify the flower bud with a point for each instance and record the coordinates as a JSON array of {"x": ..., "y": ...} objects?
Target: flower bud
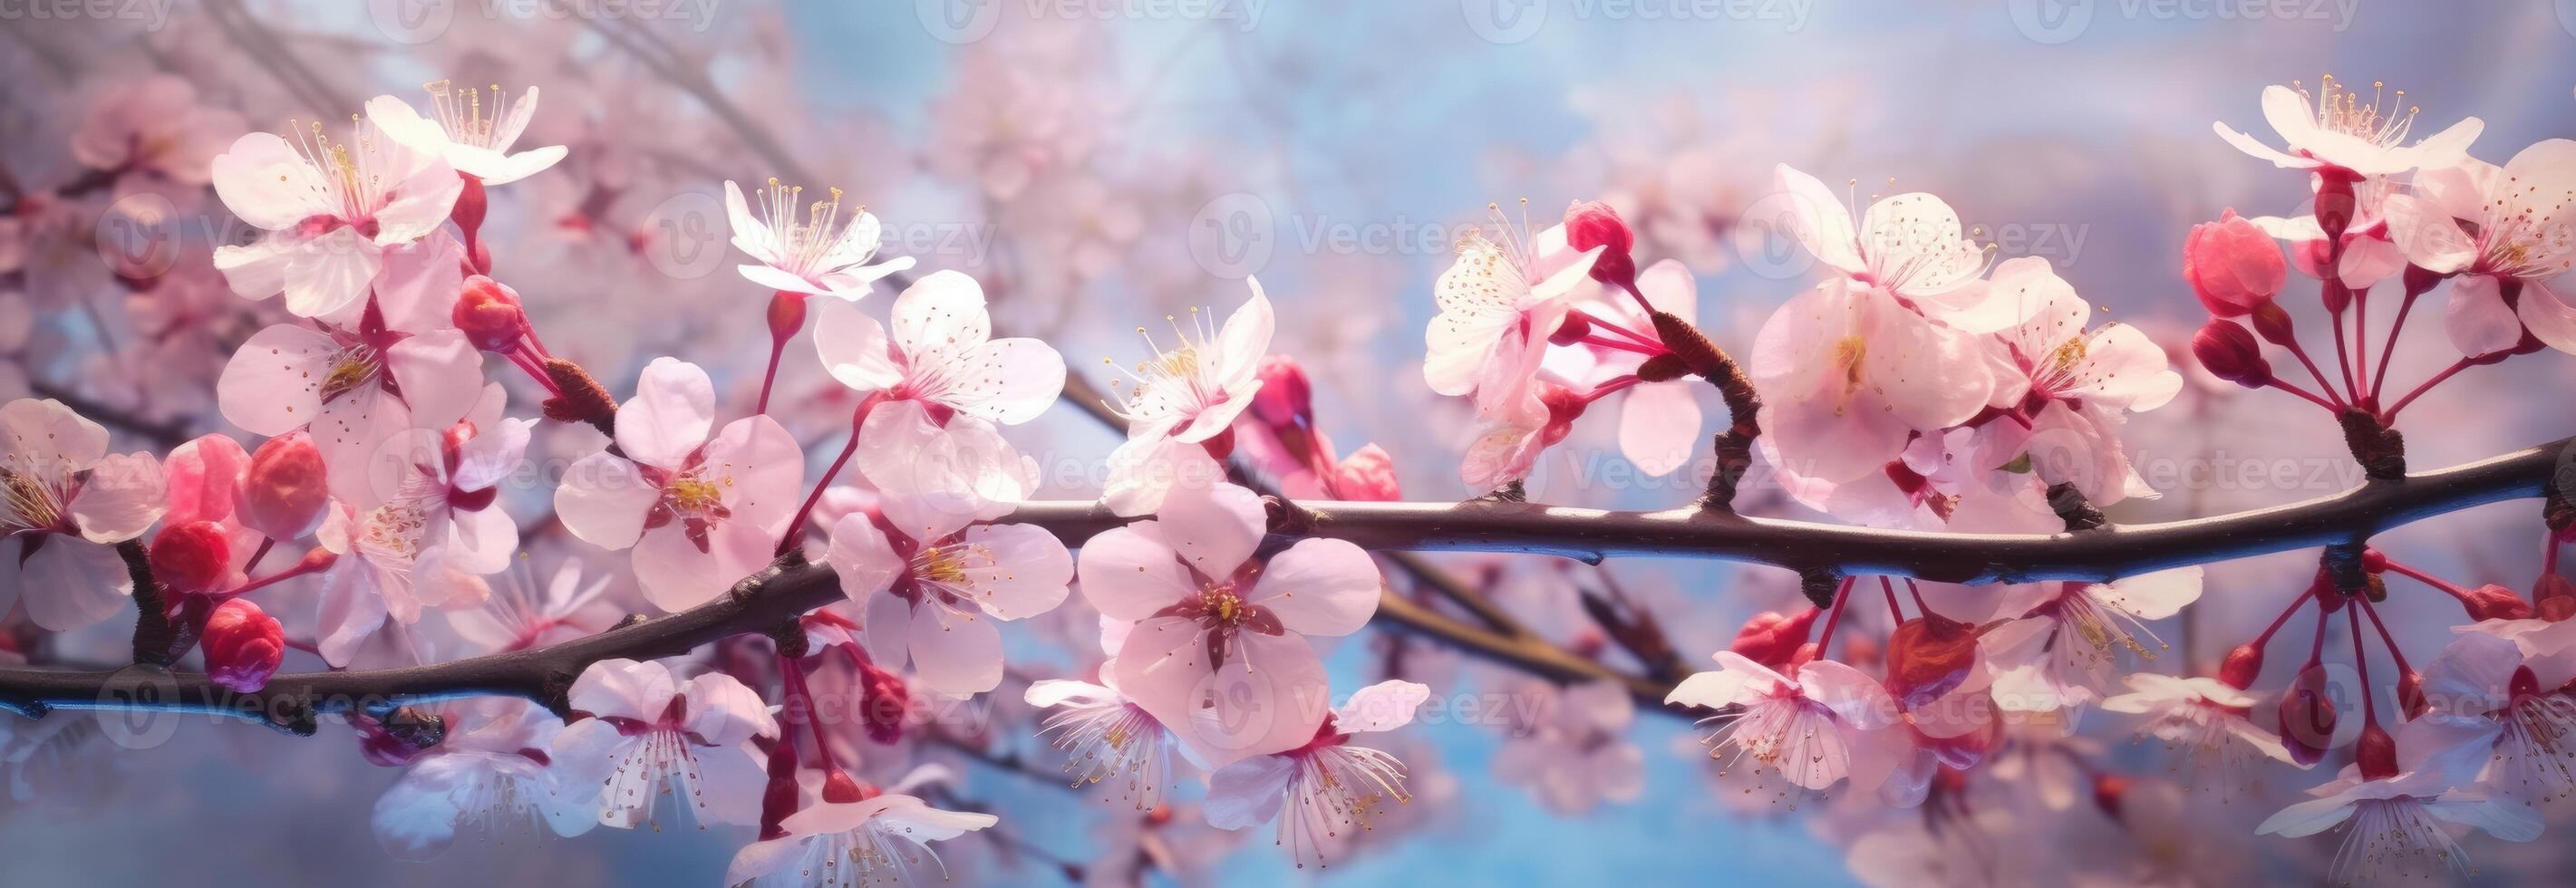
[
  {"x": 2242, "y": 666},
  {"x": 1590, "y": 224},
  {"x": 2231, "y": 354},
  {"x": 2493, "y": 602},
  {"x": 840, "y": 788},
  {"x": 2410, "y": 694},
  {"x": 1368, "y": 475},
  {"x": 1927, "y": 657},
  {"x": 883, "y": 697},
  {"x": 489, "y": 314},
  {"x": 2553, "y": 598},
  {"x": 1772, "y": 638},
  {"x": 287, "y": 489},
  {"x": 2376, "y": 753},
  {"x": 193, "y": 557},
  {"x": 2307, "y": 717},
  {"x": 2274, "y": 325},
  {"x": 243, "y": 646},
  {"x": 2108, "y": 791},
  {"x": 2232, "y": 266},
  {"x": 1285, "y": 400}
]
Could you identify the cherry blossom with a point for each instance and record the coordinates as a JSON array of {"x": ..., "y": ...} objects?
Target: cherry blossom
[
  {"x": 699, "y": 512},
  {"x": 1325, "y": 788},
  {"x": 1499, "y": 303},
  {"x": 2064, "y": 389},
  {"x": 1108, "y": 737},
  {"x": 1183, "y": 398},
  {"x": 1207, "y": 616},
  {"x": 1827, "y": 724},
  {"x": 821, "y": 255},
  {"x": 472, "y": 138},
  {"x": 489, "y": 774},
  {"x": 2488, "y": 707},
  {"x": 2205, "y": 719},
  {"x": 2341, "y": 133},
  {"x": 651, "y": 735},
  {"x": 2060, "y": 652},
  {"x": 884, "y": 838},
  {"x": 156, "y": 126},
  {"x": 941, "y": 384},
  {"x": 519, "y": 614},
  {"x": 331, "y": 209},
  {"x": 1659, "y": 422},
  {"x": 928, "y": 580},
  {"x": 1575, "y": 756},
  {"x": 2503, "y": 233},
  {"x": 2395, "y": 823},
  {"x": 69, "y": 503},
  {"x": 1907, "y": 245},
  {"x": 1849, "y": 375}
]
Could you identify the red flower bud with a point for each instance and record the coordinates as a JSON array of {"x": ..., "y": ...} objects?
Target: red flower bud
[
  {"x": 2307, "y": 717},
  {"x": 2273, "y": 324},
  {"x": 2108, "y": 790},
  {"x": 1368, "y": 475},
  {"x": 1772, "y": 638},
  {"x": 194, "y": 557},
  {"x": 1590, "y": 224},
  {"x": 2242, "y": 666},
  {"x": 883, "y": 697},
  {"x": 243, "y": 646},
  {"x": 2493, "y": 602},
  {"x": 2554, "y": 599},
  {"x": 2232, "y": 265},
  {"x": 287, "y": 489},
  {"x": 490, "y": 315},
  {"x": 2376, "y": 753},
  {"x": 2231, "y": 354},
  {"x": 2410, "y": 694},
  {"x": 840, "y": 788},
  {"x": 786, "y": 315},
  {"x": 1929, "y": 656},
  {"x": 1285, "y": 400}
]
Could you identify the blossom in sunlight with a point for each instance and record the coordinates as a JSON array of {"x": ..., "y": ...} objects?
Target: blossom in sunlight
[
  {"x": 821, "y": 254},
  {"x": 1109, "y": 738},
  {"x": 2335, "y": 130},
  {"x": 941, "y": 383},
  {"x": 1186, "y": 397},
  {"x": 1828, "y": 724},
  {"x": 2503, "y": 234},
  {"x": 2205, "y": 721},
  {"x": 882, "y": 839},
  {"x": 2064, "y": 390},
  {"x": 1848, "y": 375},
  {"x": 700, "y": 512},
  {"x": 1499, "y": 303},
  {"x": 67, "y": 504},
  {"x": 331, "y": 211},
  {"x": 489, "y": 775},
  {"x": 2062, "y": 650},
  {"x": 1326, "y": 787},
  {"x": 928, "y": 580},
  {"x": 400, "y": 365},
  {"x": 2487, "y": 706},
  {"x": 474, "y": 131},
  {"x": 650, "y": 735},
  {"x": 1908, "y": 245},
  {"x": 1217, "y": 650},
  {"x": 1577, "y": 756}
]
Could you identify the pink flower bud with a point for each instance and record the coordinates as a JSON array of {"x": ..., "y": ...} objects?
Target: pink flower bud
[
  {"x": 490, "y": 315},
  {"x": 287, "y": 489},
  {"x": 193, "y": 557},
  {"x": 243, "y": 646},
  {"x": 1285, "y": 400},
  {"x": 1368, "y": 475},
  {"x": 2231, "y": 354},
  {"x": 2242, "y": 666},
  {"x": 1772, "y": 638},
  {"x": 2307, "y": 717},
  {"x": 2232, "y": 265},
  {"x": 1590, "y": 224},
  {"x": 2493, "y": 602}
]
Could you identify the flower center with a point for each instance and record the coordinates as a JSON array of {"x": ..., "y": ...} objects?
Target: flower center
[
  {"x": 353, "y": 367},
  {"x": 2341, "y": 111},
  {"x": 804, "y": 245},
  {"x": 33, "y": 503},
  {"x": 693, "y": 496},
  {"x": 461, "y": 114}
]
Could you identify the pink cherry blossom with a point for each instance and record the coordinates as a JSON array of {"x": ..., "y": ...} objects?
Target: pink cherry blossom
[
  {"x": 1909, "y": 245},
  {"x": 1828, "y": 724},
  {"x": 519, "y": 614},
  {"x": 1186, "y": 394},
  {"x": 700, "y": 512},
  {"x": 2065, "y": 389},
  {"x": 1108, "y": 738},
  {"x": 941, "y": 383},
  {"x": 2497, "y": 228},
  {"x": 1848, "y": 374},
  {"x": 2206, "y": 721},
  {"x": 2340, "y": 132},
  {"x": 1659, "y": 422},
  {"x": 821, "y": 254},
  {"x": 1499, "y": 303},
  {"x": 489, "y": 775},
  {"x": 68, "y": 504},
  {"x": 883, "y": 839},
  {"x": 928, "y": 580},
  {"x": 2396, "y": 827},
  {"x": 331, "y": 210},
  {"x": 1325, "y": 787},
  {"x": 2062, "y": 650},
  {"x": 650, "y": 735},
  {"x": 377, "y": 588},
  {"x": 468, "y": 135},
  {"x": 154, "y": 125},
  {"x": 1577, "y": 756},
  {"x": 2488, "y": 707},
  {"x": 1207, "y": 616}
]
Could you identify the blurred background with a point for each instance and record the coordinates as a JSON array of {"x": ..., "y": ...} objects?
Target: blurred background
[{"x": 1098, "y": 164}]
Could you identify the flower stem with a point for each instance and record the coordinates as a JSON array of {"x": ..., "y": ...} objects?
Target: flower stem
[
  {"x": 796, "y": 528},
  {"x": 2447, "y": 372},
  {"x": 786, "y": 316},
  {"x": 1834, "y": 617}
]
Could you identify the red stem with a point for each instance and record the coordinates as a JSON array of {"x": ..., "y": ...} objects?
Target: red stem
[
  {"x": 2385, "y": 639},
  {"x": 796, "y": 528},
  {"x": 2293, "y": 388},
  {"x": 2388, "y": 349},
  {"x": 2429, "y": 580},
  {"x": 2447, "y": 372},
  {"x": 2301, "y": 353},
  {"x": 1834, "y": 617},
  {"x": 2265, "y": 639}
]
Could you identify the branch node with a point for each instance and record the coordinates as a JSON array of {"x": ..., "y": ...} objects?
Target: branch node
[
  {"x": 2342, "y": 563},
  {"x": 2380, "y": 450},
  {"x": 791, "y": 640},
  {"x": 2072, "y": 508},
  {"x": 1819, "y": 585},
  {"x": 583, "y": 399},
  {"x": 1286, "y": 517},
  {"x": 1513, "y": 492}
]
